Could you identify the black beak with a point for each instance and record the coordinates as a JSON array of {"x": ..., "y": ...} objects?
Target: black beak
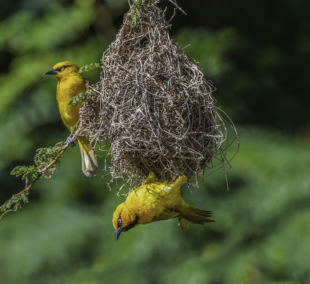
[
  {"x": 51, "y": 72},
  {"x": 118, "y": 232}
]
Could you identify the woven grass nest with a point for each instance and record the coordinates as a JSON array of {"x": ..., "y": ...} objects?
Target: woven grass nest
[{"x": 152, "y": 104}]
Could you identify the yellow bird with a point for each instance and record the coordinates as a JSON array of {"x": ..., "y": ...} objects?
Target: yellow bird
[
  {"x": 70, "y": 84},
  {"x": 156, "y": 201}
]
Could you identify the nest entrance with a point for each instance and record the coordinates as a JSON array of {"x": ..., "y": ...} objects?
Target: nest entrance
[{"x": 152, "y": 103}]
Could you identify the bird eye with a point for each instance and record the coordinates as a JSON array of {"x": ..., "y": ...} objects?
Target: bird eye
[
  {"x": 61, "y": 68},
  {"x": 119, "y": 222}
]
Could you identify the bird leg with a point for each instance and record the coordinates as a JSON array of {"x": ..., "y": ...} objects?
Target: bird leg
[
  {"x": 151, "y": 178},
  {"x": 183, "y": 224},
  {"x": 69, "y": 141},
  {"x": 177, "y": 184}
]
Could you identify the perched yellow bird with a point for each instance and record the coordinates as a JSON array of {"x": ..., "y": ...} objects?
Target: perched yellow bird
[
  {"x": 70, "y": 84},
  {"x": 156, "y": 201}
]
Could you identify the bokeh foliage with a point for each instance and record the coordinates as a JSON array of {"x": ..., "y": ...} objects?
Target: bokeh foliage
[{"x": 256, "y": 55}]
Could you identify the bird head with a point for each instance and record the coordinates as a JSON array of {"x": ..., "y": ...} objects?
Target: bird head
[
  {"x": 124, "y": 220},
  {"x": 63, "y": 69}
]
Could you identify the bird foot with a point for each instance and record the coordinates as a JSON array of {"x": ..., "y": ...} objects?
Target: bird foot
[
  {"x": 69, "y": 141},
  {"x": 150, "y": 179}
]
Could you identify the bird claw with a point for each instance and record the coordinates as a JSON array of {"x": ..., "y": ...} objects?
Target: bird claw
[{"x": 69, "y": 141}]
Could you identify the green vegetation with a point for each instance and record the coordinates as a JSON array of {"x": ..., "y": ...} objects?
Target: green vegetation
[
  {"x": 65, "y": 234},
  {"x": 89, "y": 67},
  {"x": 15, "y": 201},
  {"x": 43, "y": 158},
  {"x": 79, "y": 98},
  {"x": 46, "y": 161},
  {"x": 133, "y": 15}
]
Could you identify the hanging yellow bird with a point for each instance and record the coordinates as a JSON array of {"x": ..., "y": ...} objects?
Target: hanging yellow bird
[
  {"x": 70, "y": 84},
  {"x": 156, "y": 201}
]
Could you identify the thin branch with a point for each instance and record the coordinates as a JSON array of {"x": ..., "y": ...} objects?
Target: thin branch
[
  {"x": 40, "y": 174},
  {"x": 10, "y": 210}
]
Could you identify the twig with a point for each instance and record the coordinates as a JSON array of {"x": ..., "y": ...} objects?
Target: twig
[
  {"x": 10, "y": 210},
  {"x": 175, "y": 4},
  {"x": 174, "y": 12},
  {"x": 40, "y": 174}
]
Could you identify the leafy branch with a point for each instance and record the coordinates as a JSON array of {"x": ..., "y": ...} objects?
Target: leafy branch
[
  {"x": 89, "y": 67},
  {"x": 80, "y": 97},
  {"x": 46, "y": 161},
  {"x": 83, "y": 96}
]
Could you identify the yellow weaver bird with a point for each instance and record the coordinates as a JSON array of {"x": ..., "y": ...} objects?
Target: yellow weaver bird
[
  {"x": 70, "y": 84},
  {"x": 156, "y": 201}
]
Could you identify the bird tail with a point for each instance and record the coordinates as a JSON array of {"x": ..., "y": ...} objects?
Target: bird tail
[
  {"x": 89, "y": 159},
  {"x": 196, "y": 216}
]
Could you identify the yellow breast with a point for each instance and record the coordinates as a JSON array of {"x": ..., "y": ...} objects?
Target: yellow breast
[{"x": 67, "y": 88}]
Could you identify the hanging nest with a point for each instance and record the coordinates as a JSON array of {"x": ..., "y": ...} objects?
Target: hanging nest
[{"x": 152, "y": 104}]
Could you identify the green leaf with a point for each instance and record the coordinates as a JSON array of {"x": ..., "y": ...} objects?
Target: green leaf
[
  {"x": 80, "y": 97},
  {"x": 8, "y": 204},
  {"x": 134, "y": 16},
  {"x": 138, "y": 4},
  {"x": 24, "y": 197},
  {"x": 70, "y": 102},
  {"x": 89, "y": 67}
]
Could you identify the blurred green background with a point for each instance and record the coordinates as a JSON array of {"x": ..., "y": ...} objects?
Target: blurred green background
[{"x": 257, "y": 53}]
